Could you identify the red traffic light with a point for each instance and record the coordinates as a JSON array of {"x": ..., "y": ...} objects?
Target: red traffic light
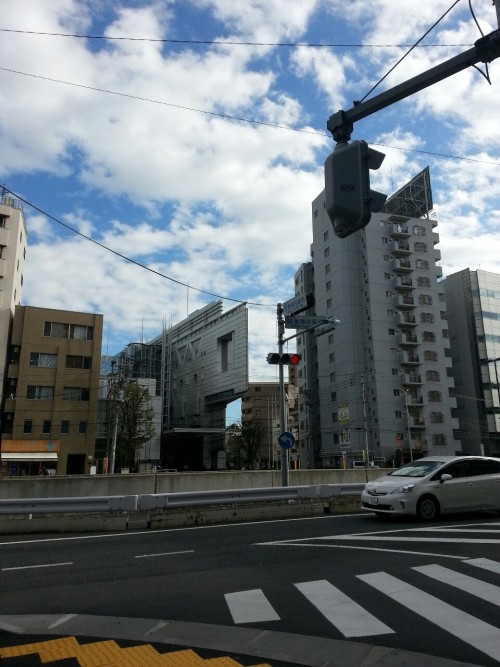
[
  {"x": 284, "y": 359},
  {"x": 293, "y": 359}
]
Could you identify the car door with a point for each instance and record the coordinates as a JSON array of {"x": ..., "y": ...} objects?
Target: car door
[
  {"x": 485, "y": 479},
  {"x": 459, "y": 493}
]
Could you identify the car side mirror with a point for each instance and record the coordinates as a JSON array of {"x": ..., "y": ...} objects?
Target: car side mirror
[{"x": 445, "y": 477}]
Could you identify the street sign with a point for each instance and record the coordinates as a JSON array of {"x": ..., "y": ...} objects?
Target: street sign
[
  {"x": 295, "y": 305},
  {"x": 286, "y": 440},
  {"x": 305, "y": 322}
]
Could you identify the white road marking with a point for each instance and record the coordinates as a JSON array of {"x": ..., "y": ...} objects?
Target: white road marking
[
  {"x": 165, "y": 553},
  {"x": 452, "y": 540},
  {"x": 485, "y": 564},
  {"x": 250, "y": 607},
  {"x": 342, "y": 612},
  {"x": 465, "y": 583},
  {"x": 61, "y": 621},
  {"x": 299, "y": 543},
  {"x": 482, "y": 636},
  {"x": 32, "y": 567}
]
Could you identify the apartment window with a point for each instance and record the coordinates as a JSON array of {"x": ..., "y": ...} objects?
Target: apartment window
[
  {"x": 76, "y": 394},
  {"x": 75, "y": 361},
  {"x": 40, "y": 393},
  {"x": 420, "y": 247},
  {"x": 439, "y": 439},
  {"x": 327, "y": 252},
  {"x": 387, "y": 258},
  {"x": 328, "y": 303},
  {"x": 325, "y": 236},
  {"x": 42, "y": 360},
  {"x": 428, "y": 336},
  {"x": 332, "y": 377},
  {"x": 423, "y": 281},
  {"x": 390, "y": 312},
  {"x": 64, "y": 330},
  {"x": 389, "y": 293},
  {"x": 395, "y": 371},
  {"x": 434, "y": 396},
  {"x": 384, "y": 240},
  {"x": 437, "y": 418},
  {"x": 3, "y": 220},
  {"x": 396, "y": 392},
  {"x": 46, "y": 426},
  {"x": 425, "y": 300},
  {"x": 419, "y": 230},
  {"x": 332, "y": 357},
  {"x": 328, "y": 286},
  {"x": 82, "y": 428},
  {"x": 387, "y": 276},
  {"x": 28, "y": 426},
  {"x": 430, "y": 355},
  {"x": 398, "y": 414},
  {"x": 421, "y": 264},
  {"x": 327, "y": 268},
  {"x": 65, "y": 426},
  {"x": 432, "y": 376},
  {"x": 426, "y": 318}
]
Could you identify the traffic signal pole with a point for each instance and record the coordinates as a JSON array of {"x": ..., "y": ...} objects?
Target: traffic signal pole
[{"x": 281, "y": 376}]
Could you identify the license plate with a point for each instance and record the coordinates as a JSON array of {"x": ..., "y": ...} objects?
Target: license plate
[{"x": 373, "y": 501}]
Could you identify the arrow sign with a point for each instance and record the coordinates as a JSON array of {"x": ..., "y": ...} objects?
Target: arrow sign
[
  {"x": 306, "y": 322},
  {"x": 286, "y": 440}
]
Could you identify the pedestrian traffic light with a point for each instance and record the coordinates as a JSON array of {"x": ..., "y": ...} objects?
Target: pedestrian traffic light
[
  {"x": 349, "y": 201},
  {"x": 285, "y": 359}
]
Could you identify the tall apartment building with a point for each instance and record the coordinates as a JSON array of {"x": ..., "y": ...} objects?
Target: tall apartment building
[
  {"x": 52, "y": 386},
  {"x": 379, "y": 385},
  {"x": 13, "y": 240},
  {"x": 473, "y": 308}
]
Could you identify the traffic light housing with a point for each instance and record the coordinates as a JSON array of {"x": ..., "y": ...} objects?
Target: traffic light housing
[
  {"x": 285, "y": 359},
  {"x": 349, "y": 201}
]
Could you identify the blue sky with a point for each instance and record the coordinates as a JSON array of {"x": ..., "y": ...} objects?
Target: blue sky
[{"x": 142, "y": 144}]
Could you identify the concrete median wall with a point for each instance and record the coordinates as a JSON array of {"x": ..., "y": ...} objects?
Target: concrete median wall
[{"x": 146, "y": 483}]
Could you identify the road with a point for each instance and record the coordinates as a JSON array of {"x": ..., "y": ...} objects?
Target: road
[{"x": 433, "y": 589}]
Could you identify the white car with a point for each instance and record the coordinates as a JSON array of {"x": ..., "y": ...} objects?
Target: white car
[{"x": 436, "y": 485}]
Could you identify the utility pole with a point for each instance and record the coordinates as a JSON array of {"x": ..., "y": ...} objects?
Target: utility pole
[{"x": 281, "y": 378}]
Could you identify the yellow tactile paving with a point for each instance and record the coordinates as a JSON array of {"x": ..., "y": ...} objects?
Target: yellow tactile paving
[{"x": 109, "y": 654}]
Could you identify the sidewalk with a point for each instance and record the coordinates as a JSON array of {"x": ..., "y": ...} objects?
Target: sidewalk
[{"x": 104, "y": 641}]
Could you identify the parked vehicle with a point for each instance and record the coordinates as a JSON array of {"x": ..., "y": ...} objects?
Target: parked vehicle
[{"x": 436, "y": 485}]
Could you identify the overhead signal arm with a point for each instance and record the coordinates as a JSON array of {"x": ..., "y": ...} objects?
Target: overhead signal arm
[{"x": 485, "y": 50}]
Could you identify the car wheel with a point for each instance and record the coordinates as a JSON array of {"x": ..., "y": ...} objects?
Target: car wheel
[{"x": 427, "y": 508}]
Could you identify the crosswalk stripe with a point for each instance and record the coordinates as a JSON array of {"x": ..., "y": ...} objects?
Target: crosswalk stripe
[
  {"x": 480, "y": 589},
  {"x": 485, "y": 564},
  {"x": 342, "y": 612},
  {"x": 476, "y": 633},
  {"x": 250, "y": 607}
]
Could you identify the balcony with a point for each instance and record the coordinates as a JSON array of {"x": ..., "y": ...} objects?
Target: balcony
[
  {"x": 414, "y": 399},
  {"x": 399, "y": 231},
  {"x": 439, "y": 271},
  {"x": 407, "y": 339},
  {"x": 402, "y": 265},
  {"x": 411, "y": 379},
  {"x": 435, "y": 237},
  {"x": 403, "y": 283},
  {"x": 417, "y": 422},
  {"x": 407, "y": 320},
  {"x": 405, "y": 301},
  {"x": 409, "y": 358},
  {"x": 437, "y": 255},
  {"x": 399, "y": 247}
]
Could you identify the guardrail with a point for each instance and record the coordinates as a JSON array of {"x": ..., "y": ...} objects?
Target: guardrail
[{"x": 148, "y": 502}]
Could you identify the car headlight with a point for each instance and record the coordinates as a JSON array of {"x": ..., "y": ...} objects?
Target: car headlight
[{"x": 407, "y": 488}]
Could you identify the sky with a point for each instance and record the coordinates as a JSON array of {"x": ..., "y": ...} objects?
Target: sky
[{"x": 168, "y": 152}]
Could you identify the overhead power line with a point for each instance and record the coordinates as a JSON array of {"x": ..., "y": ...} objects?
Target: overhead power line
[
  {"x": 129, "y": 259},
  {"x": 223, "y": 42},
  {"x": 239, "y": 119}
]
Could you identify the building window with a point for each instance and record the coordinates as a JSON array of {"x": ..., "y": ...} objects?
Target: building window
[
  {"x": 419, "y": 230},
  {"x": 327, "y": 268},
  {"x": 28, "y": 426},
  {"x": 327, "y": 252},
  {"x": 423, "y": 281},
  {"x": 76, "y": 394},
  {"x": 426, "y": 318},
  {"x": 328, "y": 303},
  {"x": 420, "y": 247},
  {"x": 387, "y": 276},
  {"x": 429, "y": 336},
  {"x": 421, "y": 264},
  {"x": 430, "y": 355},
  {"x": 325, "y": 236},
  {"x": 64, "y": 330},
  {"x": 438, "y": 439},
  {"x": 398, "y": 414},
  {"x": 387, "y": 258},
  {"x": 42, "y": 360},
  {"x": 39, "y": 392},
  {"x": 46, "y": 426},
  {"x": 391, "y": 332},
  {"x": 425, "y": 300},
  {"x": 396, "y": 392},
  {"x": 432, "y": 376},
  {"x": 328, "y": 286},
  {"x": 82, "y": 428},
  {"x": 395, "y": 371},
  {"x": 65, "y": 426},
  {"x": 74, "y": 361},
  {"x": 437, "y": 418},
  {"x": 434, "y": 396}
]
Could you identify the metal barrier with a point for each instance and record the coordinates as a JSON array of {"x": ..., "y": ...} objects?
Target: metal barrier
[{"x": 148, "y": 502}]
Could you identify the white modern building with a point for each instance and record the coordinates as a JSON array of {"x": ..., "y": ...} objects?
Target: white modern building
[
  {"x": 13, "y": 241},
  {"x": 378, "y": 386},
  {"x": 473, "y": 308}
]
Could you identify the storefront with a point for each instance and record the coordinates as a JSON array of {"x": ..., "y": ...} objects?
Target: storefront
[{"x": 29, "y": 457}]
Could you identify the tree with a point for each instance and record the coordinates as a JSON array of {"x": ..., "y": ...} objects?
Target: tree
[
  {"x": 243, "y": 443},
  {"x": 135, "y": 423}
]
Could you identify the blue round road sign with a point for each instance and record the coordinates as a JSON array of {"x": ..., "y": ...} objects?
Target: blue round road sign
[{"x": 286, "y": 440}]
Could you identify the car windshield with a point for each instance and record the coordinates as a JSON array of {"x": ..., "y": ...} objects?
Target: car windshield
[{"x": 417, "y": 469}]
